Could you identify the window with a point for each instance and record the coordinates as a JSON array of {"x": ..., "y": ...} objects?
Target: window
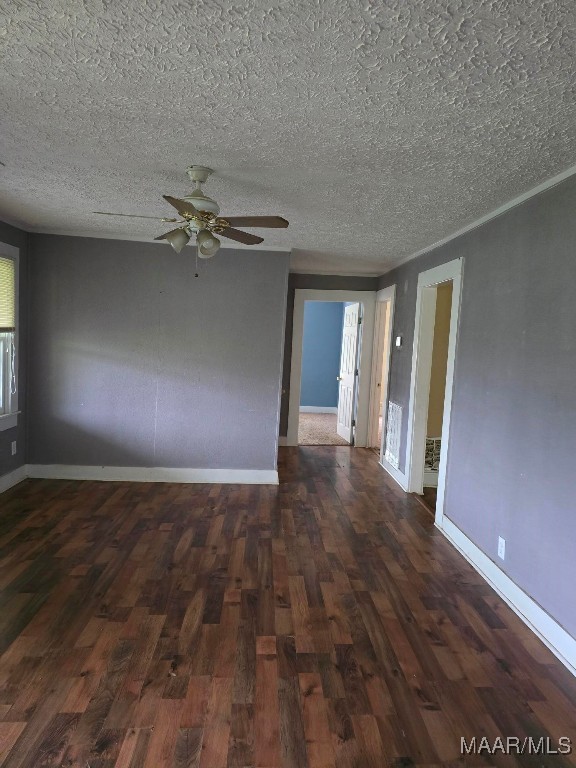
[{"x": 8, "y": 371}]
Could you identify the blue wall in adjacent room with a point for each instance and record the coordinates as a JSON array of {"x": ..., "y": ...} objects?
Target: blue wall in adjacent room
[{"x": 321, "y": 353}]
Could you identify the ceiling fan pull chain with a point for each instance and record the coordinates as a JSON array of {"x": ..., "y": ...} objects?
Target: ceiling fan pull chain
[{"x": 196, "y": 275}]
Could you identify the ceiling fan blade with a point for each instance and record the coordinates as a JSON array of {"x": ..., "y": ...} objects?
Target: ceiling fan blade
[
  {"x": 241, "y": 237},
  {"x": 182, "y": 206},
  {"x": 257, "y": 221},
  {"x": 132, "y": 216},
  {"x": 165, "y": 235}
]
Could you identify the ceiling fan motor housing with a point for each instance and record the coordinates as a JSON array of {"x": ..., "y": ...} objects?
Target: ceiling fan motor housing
[
  {"x": 199, "y": 174},
  {"x": 203, "y": 203}
]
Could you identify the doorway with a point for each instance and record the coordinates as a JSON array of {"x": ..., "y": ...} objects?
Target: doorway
[
  {"x": 434, "y": 351},
  {"x": 437, "y": 392},
  {"x": 381, "y": 368},
  {"x": 366, "y": 300},
  {"x": 319, "y": 385}
]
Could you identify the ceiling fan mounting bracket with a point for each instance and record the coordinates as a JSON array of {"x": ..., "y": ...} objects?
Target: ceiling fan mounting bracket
[{"x": 199, "y": 173}]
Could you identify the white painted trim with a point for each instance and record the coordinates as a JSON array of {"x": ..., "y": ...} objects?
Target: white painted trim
[
  {"x": 548, "y": 184},
  {"x": 377, "y": 356},
  {"x": 8, "y": 421},
  {"x": 395, "y": 474},
  {"x": 420, "y": 385},
  {"x": 368, "y": 301},
  {"x": 154, "y": 474},
  {"x": 13, "y": 478},
  {"x": 420, "y": 377},
  {"x": 555, "y": 637},
  {"x": 381, "y": 349},
  {"x": 386, "y": 294},
  {"x": 430, "y": 479},
  {"x": 318, "y": 409}
]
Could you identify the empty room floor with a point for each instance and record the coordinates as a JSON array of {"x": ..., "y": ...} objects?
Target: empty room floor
[
  {"x": 322, "y": 622},
  {"x": 318, "y": 429}
]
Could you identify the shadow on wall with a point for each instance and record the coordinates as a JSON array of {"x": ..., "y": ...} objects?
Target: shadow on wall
[{"x": 71, "y": 442}]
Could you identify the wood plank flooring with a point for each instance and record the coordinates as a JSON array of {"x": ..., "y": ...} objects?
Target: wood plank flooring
[{"x": 323, "y": 623}]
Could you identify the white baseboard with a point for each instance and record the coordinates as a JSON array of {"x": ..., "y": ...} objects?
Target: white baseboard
[
  {"x": 400, "y": 477},
  {"x": 555, "y": 637},
  {"x": 282, "y": 440},
  {"x": 13, "y": 478},
  {"x": 318, "y": 409},
  {"x": 430, "y": 479},
  {"x": 154, "y": 474}
]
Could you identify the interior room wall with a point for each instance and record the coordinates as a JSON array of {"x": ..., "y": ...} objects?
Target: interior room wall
[
  {"x": 439, "y": 359},
  {"x": 511, "y": 459},
  {"x": 319, "y": 283},
  {"x": 19, "y": 239},
  {"x": 135, "y": 362},
  {"x": 321, "y": 346}
]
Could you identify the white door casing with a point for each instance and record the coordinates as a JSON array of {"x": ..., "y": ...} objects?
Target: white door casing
[
  {"x": 347, "y": 376},
  {"x": 381, "y": 354},
  {"x": 420, "y": 381},
  {"x": 368, "y": 301}
]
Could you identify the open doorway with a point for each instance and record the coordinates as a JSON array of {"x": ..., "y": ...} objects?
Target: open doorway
[
  {"x": 434, "y": 351},
  {"x": 353, "y": 401},
  {"x": 381, "y": 368},
  {"x": 319, "y": 390},
  {"x": 437, "y": 392}
]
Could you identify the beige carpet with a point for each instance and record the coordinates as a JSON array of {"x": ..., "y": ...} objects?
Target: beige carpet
[{"x": 318, "y": 429}]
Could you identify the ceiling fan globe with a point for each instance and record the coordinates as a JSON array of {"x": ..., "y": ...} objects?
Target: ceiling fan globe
[
  {"x": 207, "y": 244},
  {"x": 178, "y": 238}
]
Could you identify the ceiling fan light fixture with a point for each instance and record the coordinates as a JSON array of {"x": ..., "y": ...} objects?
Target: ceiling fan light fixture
[
  {"x": 207, "y": 244},
  {"x": 178, "y": 239}
]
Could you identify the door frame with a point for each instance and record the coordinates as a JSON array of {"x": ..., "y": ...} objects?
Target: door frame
[
  {"x": 382, "y": 348},
  {"x": 368, "y": 301},
  {"x": 420, "y": 378}
]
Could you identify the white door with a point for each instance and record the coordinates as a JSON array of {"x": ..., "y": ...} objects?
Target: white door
[{"x": 347, "y": 378}]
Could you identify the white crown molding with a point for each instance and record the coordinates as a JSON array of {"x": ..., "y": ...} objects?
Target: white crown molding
[
  {"x": 153, "y": 474},
  {"x": 379, "y": 271},
  {"x": 555, "y": 637},
  {"x": 545, "y": 185}
]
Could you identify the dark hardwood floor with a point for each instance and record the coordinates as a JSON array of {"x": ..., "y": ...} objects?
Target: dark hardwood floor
[{"x": 322, "y": 623}]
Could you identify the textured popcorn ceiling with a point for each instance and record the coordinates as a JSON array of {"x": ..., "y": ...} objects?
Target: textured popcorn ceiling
[{"x": 376, "y": 128}]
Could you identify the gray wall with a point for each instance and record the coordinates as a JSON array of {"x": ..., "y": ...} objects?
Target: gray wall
[
  {"x": 18, "y": 239},
  {"x": 319, "y": 283},
  {"x": 135, "y": 362},
  {"x": 513, "y": 431}
]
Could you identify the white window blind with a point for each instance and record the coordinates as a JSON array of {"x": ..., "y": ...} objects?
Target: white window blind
[{"x": 7, "y": 295}]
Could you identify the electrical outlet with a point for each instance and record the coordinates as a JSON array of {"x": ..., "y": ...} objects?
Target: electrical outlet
[
  {"x": 501, "y": 547},
  {"x": 14, "y": 448}
]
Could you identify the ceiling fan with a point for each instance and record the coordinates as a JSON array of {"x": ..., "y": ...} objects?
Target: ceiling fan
[{"x": 200, "y": 216}]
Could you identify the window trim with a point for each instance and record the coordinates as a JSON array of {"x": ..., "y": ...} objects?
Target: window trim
[{"x": 10, "y": 420}]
